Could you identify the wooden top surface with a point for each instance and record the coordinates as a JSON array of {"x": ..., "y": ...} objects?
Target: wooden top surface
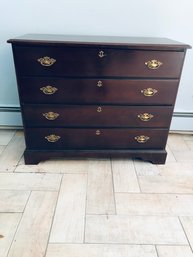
[{"x": 112, "y": 41}]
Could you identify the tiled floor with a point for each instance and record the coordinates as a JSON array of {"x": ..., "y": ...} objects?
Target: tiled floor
[{"x": 96, "y": 208}]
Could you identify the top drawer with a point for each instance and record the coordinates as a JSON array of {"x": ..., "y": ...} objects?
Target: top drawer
[{"x": 92, "y": 62}]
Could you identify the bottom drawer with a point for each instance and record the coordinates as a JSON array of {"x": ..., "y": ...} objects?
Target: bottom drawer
[{"x": 73, "y": 138}]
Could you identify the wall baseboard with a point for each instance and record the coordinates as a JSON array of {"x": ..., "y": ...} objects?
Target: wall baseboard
[
  {"x": 10, "y": 117},
  {"x": 182, "y": 121}
]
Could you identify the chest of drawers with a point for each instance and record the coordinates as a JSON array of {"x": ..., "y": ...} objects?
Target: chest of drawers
[{"x": 96, "y": 96}]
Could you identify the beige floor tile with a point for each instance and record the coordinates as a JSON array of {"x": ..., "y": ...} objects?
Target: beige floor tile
[
  {"x": 100, "y": 198},
  {"x": 166, "y": 184},
  {"x": 12, "y": 153},
  {"x": 187, "y": 223},
  {"x": 172, "y": 178},
  {"x": 190, "y": 144},
  {"x": 174, "y": 251},
  {"x": 176, "y": 142},
  {"x": 6, "y": 135},
  {"x": 68, "y": 225},
  {"x": 8, "y": 226},
  {"x": 145, "y": 168},
  {"x": 134, "y": 230},
  {"x": 17, "y": 181},
  {"x": 33, "y": 232},
  {"x": 182, "y": 169},
  {"x": 13, "y": 201},
  {"x": 154, "y": 204},
  {"x": 170, "y": 157},
  {"x": 55, "y": 166},
  {"x": 124, "y": 176},
  {"x": 104, "y": 250},
  {"x": 187, "y": 137},
  {"x": 183, "y": 156}
]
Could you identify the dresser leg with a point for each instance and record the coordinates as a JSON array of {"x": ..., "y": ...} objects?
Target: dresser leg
[
  {"x": 156, "y": 158},
  {"x": 32, "y": 157},
  {"x": 153, "y": 156}
]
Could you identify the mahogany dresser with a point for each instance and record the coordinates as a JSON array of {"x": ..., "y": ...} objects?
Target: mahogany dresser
[{"x": 95, "y": 96}]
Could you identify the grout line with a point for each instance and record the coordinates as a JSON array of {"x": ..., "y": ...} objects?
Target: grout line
[
  {"x": 156, "y": 250},
  {"x": 113, "y": 185},
  {"x": 139, "y": 215},
  {"x": 185, "y": 142},
  {"x": 84, "y": 233},
  {"x": 45, "y": 190},
  {"x": 185, "y": 233},
  {"x": 53, "y": 216},
  {"x": 18, "y": 163},
  {"x": 172, "y": 152},
  {"x": 8, "y": 142},
  {"x": 19, "y": 223},
  {"x": 129, "y": 193},
  {"x": 153, "y": 193},
  {"x": 44, "y": 172},
  {"x": 13, "y": 165},
  {"x": 137, "y": 177},
  {"x": 129, "y": 244},
  {"x": 165, "y": 216}
]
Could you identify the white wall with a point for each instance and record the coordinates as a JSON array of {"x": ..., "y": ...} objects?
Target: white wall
[{"x": 172, "y": 19}]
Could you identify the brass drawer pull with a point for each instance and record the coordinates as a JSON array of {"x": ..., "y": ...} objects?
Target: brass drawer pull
[
  {"x": 142, "y": 139},
  {"x": 101, "y": 54},
  {"x": 52, "y": 138},
  {"x": 98, "y": 132},
  {"x": 145, "y": 116},
  {"x": 153, "y": 64},
  {"x": 51, "y": 115},
  {"x": 149, "y": 91},
  {"x": 99, "y": 109},
  {"x": 48, "y": 90},
  {"x": 99, "y": 83},
  {"x": 46, "y": 61}
]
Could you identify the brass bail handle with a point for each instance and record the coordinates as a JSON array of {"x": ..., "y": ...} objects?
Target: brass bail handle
[
  {"x": 145, "y": 116},
  {"x": 51, "y": 115},
  {"x": 48, "y": 90},
  {"x": 52, "y": 138},
  {"x": 142, "y": 139},
  {"x": 149, "y": 91},
  {"x": 46, "y": 61},
  {"x": 153, "y": 64}
]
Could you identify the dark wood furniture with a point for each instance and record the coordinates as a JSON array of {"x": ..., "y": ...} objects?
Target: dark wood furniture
[{"x": 87, "y": 96}]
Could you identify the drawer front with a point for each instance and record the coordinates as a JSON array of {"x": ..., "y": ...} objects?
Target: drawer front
[
  {"x": 80, "y": 62},
  {"x": 94, "y": 91},
  {"x": 59, "y": 138},
  {"x": 94, "y": 115}
]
